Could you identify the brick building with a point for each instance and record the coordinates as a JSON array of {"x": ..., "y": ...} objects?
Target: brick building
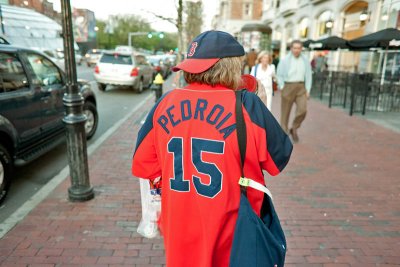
[
  {"x": 234, "y": 14},
  {"x": 42, "y": 6}
]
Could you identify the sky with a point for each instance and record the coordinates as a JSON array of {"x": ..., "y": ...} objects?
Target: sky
[{"x": 165, "y": 8}]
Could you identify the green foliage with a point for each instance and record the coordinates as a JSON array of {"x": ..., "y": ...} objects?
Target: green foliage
[{"x": 123, "y": 25}]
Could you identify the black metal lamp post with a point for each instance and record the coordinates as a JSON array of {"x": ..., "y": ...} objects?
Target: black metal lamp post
[{"x": 74, "y": 120}]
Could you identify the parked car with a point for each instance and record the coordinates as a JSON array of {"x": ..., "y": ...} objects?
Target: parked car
[
  {"x": 31, "y": 109},
  {"x": 124, "y": 69},
  {"x": 92, "y": 56}
]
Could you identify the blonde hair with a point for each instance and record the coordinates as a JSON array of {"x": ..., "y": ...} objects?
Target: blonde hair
[
  {"x": 226, "y": 72},
  {"x": 262, "y": 54}
]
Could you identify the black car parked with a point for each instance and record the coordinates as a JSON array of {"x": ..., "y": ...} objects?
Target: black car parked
[{"x": 31, "y": 109}]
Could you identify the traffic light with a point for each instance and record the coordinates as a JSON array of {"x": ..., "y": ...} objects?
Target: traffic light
[{"x": 160, "y": 35}]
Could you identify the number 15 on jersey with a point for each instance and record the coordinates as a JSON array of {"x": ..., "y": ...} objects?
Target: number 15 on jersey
[{"x": 198, "y": 146}]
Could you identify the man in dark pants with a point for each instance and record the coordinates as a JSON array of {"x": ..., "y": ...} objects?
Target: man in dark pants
[{"x": 294, "y": 79}]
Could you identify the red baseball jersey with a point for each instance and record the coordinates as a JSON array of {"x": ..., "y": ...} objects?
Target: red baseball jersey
[{"x": 189, "y": 139}]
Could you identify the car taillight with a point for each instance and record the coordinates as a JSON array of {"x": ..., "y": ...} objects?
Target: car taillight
[
  {"x": 134, "y": 72},
  {"x": 96, "y": 69}
]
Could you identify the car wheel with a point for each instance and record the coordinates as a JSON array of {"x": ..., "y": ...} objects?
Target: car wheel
[
  {"x": 5, "y": 172},
  {"x": 102, "y": 86},
  {"x": 139, "y": 87},
  {"x": 92, "y": 118}
]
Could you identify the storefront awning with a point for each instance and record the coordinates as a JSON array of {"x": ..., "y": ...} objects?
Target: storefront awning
[{"x": 256, "y": 27}]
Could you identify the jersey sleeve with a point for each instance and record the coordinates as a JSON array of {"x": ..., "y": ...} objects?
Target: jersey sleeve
[
  {"x": 145, "y": 163},
  {"x": 274, "y": 145}
]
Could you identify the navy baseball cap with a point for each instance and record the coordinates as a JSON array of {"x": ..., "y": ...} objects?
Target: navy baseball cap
[{"x": 207, "y": 48}]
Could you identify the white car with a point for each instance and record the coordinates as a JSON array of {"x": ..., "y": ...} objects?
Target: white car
[
  {"x": 124, "y": 69},
  {"x": 92, "y": 56}
]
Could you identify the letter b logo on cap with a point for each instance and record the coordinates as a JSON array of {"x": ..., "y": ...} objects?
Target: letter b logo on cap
[{"x": 192, "y": 49}]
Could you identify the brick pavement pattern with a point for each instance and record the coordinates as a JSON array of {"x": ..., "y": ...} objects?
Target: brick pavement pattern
[{"x": 338, "y": 201}]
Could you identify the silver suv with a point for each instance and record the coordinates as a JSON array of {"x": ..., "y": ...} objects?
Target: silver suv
[{"x": 124, "y": 69}]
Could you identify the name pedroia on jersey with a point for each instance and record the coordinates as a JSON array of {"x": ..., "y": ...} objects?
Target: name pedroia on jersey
[{"x": 197, "y": 109}]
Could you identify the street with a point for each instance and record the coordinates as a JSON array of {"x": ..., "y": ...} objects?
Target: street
[{"x": 112, "y": 105}]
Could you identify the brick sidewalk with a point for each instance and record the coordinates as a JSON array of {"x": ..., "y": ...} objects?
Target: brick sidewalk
[{"x": 338, "y": 200}]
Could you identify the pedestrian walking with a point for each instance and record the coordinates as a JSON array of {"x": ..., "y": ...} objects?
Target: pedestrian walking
[
  {"x": 251, "y": 58},
  {"x": 294, "y": 79},
  {"x": 189, "y": 139},
  {"x": 319, "y": 62},
  {"x": 264, "y": 72}
]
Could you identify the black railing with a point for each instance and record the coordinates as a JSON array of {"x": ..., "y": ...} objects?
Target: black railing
[{"x": 360, "y": 92}]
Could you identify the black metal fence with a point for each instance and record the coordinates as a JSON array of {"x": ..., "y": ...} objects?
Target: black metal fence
[{"x": 360, "y": 92}]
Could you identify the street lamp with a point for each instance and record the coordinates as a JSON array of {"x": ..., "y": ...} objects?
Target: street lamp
[
  {"x": 96, "y": 29},
  {"x": 329, "y": 24},
  {"x": 364, "y": 15},
  {"x": 74, "y": 119},
  {"x": 385, "y": 16}
]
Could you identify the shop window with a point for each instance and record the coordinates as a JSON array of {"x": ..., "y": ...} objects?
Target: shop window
[
  {"x": 325, "y": 24},
  {"x": 304, "y": 28}
]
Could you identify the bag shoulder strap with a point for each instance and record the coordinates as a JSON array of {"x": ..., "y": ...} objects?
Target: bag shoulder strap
[
  {"x": 242, "y": 141},
  {"x": 240, "y": 128},
  {"x": 241, "y": 134}
]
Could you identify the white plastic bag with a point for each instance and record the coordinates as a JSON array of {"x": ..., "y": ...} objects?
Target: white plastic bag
[{"x": 151, "y": 208}]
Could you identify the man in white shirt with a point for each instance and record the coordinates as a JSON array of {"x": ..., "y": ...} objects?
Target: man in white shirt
[{"x": 294, "y": 79}]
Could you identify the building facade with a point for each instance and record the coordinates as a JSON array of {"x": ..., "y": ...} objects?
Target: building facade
[
  {"x": 27, "y": 28},
  {"x": 317, "y": 19},
  {"x": 242, "y": 19},
  {"x": 42, "y": 6},
  {"x": 234, "y": 14}
]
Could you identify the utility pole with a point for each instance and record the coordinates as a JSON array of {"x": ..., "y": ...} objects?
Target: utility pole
[
  {"x": 109, "y": 29},
  {"x": 74, "y": 120}
]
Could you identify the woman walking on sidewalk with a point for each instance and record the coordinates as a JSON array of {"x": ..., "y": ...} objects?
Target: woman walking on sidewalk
[
  {"x": 189, "y": 139},
  {"x": 264, "y": 72}
]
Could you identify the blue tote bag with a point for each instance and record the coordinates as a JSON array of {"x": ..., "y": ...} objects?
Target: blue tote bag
[{"x": 257, "y": 241}]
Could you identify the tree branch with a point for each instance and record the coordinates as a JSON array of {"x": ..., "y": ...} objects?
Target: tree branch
[{"x": 170, "y": 20}]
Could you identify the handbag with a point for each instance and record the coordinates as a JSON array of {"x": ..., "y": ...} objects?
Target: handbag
[
  {"x": 257, "y": 241},
  {"x": 274, "y": 86}
]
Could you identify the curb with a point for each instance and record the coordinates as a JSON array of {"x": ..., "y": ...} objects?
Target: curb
[{"x": 31, "y": 203}]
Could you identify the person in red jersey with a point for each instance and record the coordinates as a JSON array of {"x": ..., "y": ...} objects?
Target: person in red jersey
[{"x": 189, "y": 139}]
